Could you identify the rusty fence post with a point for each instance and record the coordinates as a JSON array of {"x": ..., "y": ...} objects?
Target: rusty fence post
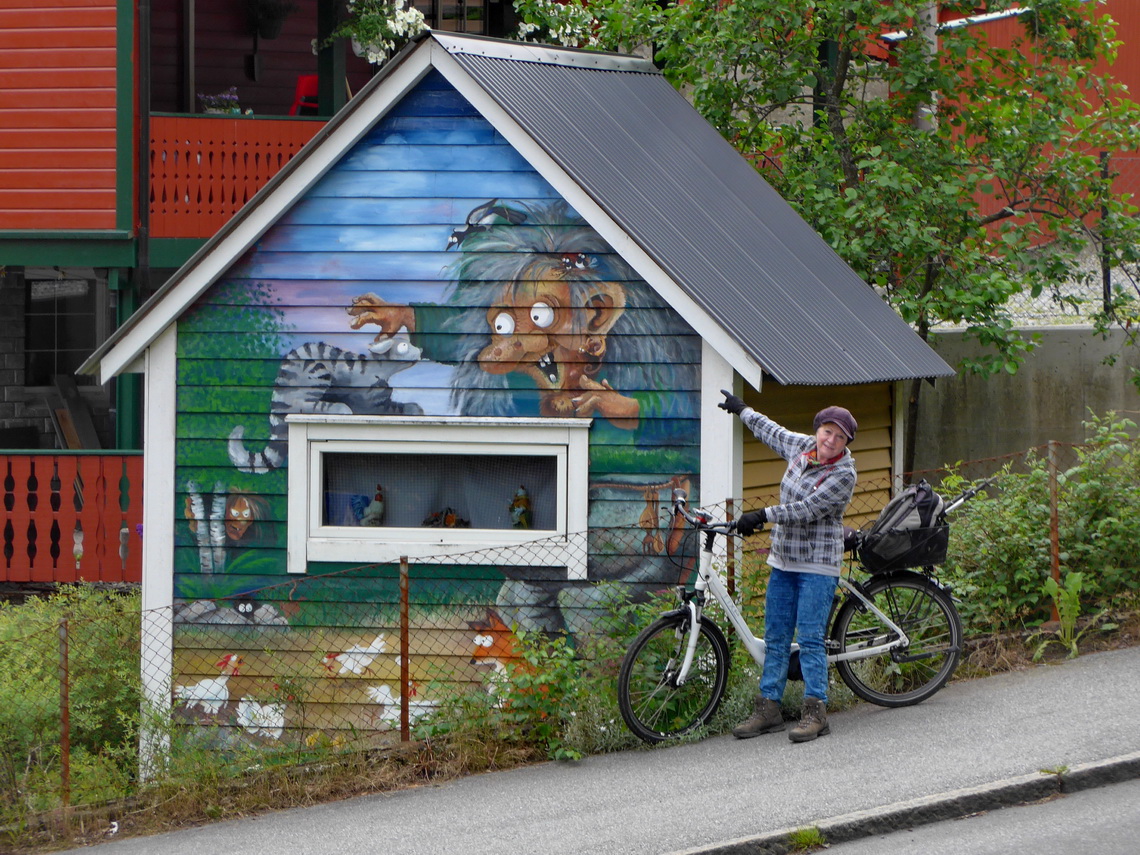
[
  {"x": 405, "y": 671},
  {"x": 64, "y": 723},
  {"x": 1054, "y": 522}
]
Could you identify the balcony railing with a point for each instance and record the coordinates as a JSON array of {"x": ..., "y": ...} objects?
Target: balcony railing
[
  {"x": 204, "y": 168},
  {"x": 71, "y": 516}
]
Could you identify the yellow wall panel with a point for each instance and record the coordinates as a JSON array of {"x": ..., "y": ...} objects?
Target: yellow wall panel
[{"x": 794, "y": 407}]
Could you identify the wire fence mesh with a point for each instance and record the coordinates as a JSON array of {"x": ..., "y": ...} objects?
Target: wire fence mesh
[{"x": 351, "y": 658}]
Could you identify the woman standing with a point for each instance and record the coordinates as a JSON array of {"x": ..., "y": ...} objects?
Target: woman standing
[{"x": 806, "y": 556}]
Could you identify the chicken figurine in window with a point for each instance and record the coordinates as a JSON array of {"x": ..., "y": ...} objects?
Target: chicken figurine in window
[
  {"x": 520, "y": 509},
  {"x": 374, "y": 513}
]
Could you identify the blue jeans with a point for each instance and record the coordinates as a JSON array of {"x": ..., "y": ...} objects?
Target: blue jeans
[{"x": 796, "y": 603}]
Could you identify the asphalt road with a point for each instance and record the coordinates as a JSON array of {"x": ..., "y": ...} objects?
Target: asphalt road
[
  {"x": 1105, "y": 821},
  {"x": 973, "y": 746}
]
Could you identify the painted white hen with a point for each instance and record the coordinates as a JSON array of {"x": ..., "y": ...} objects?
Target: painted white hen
[
  {"x": 356, "y": 659},
  {"x": 213, "y": 693},
  {"x": 383, "y": 696},
  {"x": 264, "y": 719}
]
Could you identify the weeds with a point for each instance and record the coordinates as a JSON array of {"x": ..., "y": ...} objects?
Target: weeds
[
  {"x": 805, "y": 839},
  {"x": 1000, "y": 549},
  {"x": 1067, "y": 599}
]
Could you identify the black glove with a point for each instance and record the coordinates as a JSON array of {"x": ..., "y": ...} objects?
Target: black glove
[
  {"x": 751, "y": 522},
  {"x": 731, "y": 403}
]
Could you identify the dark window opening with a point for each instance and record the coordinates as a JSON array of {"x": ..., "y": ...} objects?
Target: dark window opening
[
  {"x": 480, "y": 491},
  {"x": 62, "y": 323}
]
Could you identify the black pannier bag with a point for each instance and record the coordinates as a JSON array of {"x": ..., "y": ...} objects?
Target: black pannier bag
[{"x": 911, "y": 531}]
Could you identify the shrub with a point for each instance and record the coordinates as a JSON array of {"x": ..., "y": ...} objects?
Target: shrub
[
  {"x": 104, "y": 691},
  {"x": 1000, "y": 548}
]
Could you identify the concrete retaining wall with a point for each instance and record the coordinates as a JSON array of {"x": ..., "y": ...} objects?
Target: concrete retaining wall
[{"x": 969, "y": 417}]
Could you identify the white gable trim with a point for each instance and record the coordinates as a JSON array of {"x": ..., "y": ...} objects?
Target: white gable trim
[
  {"x": 722, "y": 446},
  {"x": 158, "y": 533},
  {"x": 261, "y": 212},
  {"x": 704, "y": 324}
]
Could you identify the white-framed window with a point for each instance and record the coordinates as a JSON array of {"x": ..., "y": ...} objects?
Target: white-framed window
[{"x": 370, "y": 489}]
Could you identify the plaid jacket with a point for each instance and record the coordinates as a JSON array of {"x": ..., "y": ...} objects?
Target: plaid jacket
[{"x": 813, "y": 496}]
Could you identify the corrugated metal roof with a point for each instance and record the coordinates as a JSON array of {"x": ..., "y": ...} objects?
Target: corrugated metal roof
[{"x": 699, "y": 209}]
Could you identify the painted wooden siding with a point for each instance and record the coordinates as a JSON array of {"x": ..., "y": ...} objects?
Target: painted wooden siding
[
  {"x": 57, "y": 140},
  {"x": 381, "y": 222},
  {"x": 795, "y": 407}
]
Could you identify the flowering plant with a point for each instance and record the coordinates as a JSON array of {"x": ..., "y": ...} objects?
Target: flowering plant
[
  {"x": 556, "y": 23},
  {"x": 378, "y": 28},
  {"x": 223, "y": 102}
]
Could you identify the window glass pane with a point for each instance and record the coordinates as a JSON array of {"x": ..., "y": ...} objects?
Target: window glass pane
[
  {"x": 61, "y": 323},
  {"x": 480, "y": 491},
  {"x": 451, "y": 17},
  {"x": 472, "y": 16}
]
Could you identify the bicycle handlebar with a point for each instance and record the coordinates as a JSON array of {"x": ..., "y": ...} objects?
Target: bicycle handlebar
[
  {"x": 700, "y": 519},
  {"x": 964, "y": 497},
  {"x": 703, "y": 521}
]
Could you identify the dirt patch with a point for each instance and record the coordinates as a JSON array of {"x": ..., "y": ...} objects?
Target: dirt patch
[{"x": 997, "y": 654}]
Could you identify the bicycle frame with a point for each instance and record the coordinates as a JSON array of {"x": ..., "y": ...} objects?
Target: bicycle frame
[{"x": 709, "y": 581}]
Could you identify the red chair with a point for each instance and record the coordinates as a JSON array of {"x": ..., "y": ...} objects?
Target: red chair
[{"x": 305, "y": 98}]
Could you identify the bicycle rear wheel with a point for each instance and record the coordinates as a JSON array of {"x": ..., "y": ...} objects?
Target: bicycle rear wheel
[
  {"x": 905, "y": 675},
  {"x": 654, "y": 707}
]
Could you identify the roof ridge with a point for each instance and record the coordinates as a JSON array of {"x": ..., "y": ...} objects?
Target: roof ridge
[{"x": 477, "y": 45}]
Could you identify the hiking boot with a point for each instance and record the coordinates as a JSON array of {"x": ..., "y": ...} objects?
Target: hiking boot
[
  {"x": 767, "y": 718},
  {"x": 813, "y": 721}
]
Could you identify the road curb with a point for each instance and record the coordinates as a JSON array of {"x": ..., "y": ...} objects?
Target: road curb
[{"x": 949, "y": 805}]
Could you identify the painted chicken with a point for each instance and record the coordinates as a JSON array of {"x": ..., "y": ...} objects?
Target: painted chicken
[
  {"x": 261, "y": 719},
  {"x": 356, "y": 659},
  {"x": 383, "y": 696},
  {"x": 213, "y": 693}
]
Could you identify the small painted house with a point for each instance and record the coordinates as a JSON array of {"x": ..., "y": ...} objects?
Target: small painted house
[{"x": 479, "y": 323}]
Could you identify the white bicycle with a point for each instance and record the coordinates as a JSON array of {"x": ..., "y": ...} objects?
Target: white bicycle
[{"x": 895, "y": 639}]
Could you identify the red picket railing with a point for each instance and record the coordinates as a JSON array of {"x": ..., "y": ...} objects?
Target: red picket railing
[
  {"x": 71, "y": 516},
  {"x": 204, "y": 168}
]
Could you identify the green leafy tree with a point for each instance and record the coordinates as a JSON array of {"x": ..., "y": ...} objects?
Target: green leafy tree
[{"x": 951, "y": 170}]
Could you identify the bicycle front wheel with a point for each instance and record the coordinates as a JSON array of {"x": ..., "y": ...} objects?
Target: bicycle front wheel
[
  {"x": 654, "y": 707},
  {"x": 905, "y": 675}
]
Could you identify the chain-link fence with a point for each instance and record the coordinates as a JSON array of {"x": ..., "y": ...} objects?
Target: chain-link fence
[{"x": 357, "y": 657}]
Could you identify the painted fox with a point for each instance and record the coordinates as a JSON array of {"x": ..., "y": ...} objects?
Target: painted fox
[
  {"x": 495, "y": 644},
  {"x": 497, "y": 647}
]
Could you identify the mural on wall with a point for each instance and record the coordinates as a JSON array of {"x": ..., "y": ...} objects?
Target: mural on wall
[
  {"x": 375, "y": 296},
  {"x": 321, "y": 378},
  {"x": 228, "y": 519}
]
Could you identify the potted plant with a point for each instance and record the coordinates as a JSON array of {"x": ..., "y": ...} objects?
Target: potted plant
[
  {"x": 378, "y": 28},
  {"x": 223, "y": 102},
  {"x": 267, "y": 16}
]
